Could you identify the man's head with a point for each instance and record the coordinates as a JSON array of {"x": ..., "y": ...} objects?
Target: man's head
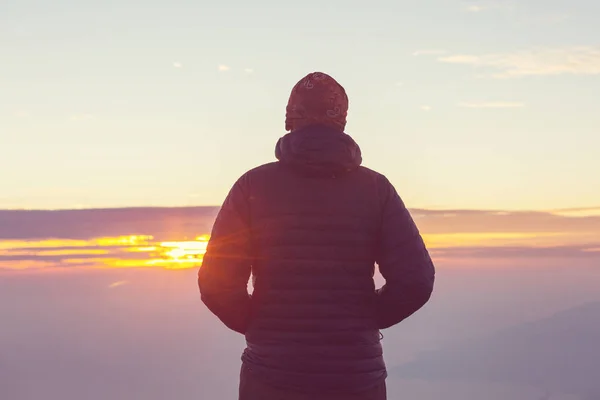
[{"x": 317, "y": 99}]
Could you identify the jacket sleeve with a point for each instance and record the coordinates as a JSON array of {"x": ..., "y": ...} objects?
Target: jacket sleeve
[
  {"x": 226, "y": 267},
  {"x": 403, "y": 261}
]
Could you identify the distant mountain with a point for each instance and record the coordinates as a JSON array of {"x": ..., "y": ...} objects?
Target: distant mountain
[{"x": 558, "y": 354}]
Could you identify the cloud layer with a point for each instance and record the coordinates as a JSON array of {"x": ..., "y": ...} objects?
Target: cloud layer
[
  {"x": 125, "y": 238},
  {"x": 492, "y": 104},
  {"x": 581, "y": 60}
]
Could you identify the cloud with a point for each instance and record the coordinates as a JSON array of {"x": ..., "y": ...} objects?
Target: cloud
[
  {"x": 248, "y": 70},
  {"x": 81, "y": 117},
  {"x": 474, "y": 8},
  {"x": 578, "y": 228},
  {"x": 429, "y": 52},
  {"x": 581, "y": 60},
  {"x": 497, "y": 104},
  {"x": 495, "y": 252},
  {"x": 491, "y": 5},
  {"x": 426, "y": 108},
  {"x": 177, "y": 64},
  {"x": 22, "y": 114},
  {"x": 223, "y": 68},
  {"x": 117, "y": 284},
  {"x": 25, "y": 235},
  {"x": 577, "y": 212}
]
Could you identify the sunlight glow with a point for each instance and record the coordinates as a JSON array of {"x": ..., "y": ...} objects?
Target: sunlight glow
[
  {"x": 130, "y": 251},
  {"x": 145, "y": 251}
]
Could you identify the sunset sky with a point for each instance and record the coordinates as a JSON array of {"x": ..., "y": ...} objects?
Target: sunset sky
[
  {"x": 478, "y": 105},
  {"x": 176, "y": 238}
]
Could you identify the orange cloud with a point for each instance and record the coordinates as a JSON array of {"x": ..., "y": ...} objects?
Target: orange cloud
[{"x": 458, "y": 235}]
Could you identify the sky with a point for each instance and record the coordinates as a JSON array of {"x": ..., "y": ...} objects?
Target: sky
[
  {"x": 176, "y": 238},
  {"x": 462, "y": 105}
]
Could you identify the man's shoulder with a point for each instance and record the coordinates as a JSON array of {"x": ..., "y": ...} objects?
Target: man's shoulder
[{"x": 275, "y": 166}]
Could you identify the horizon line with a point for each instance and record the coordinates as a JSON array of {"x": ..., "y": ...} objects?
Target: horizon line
[{"x": 434, "y": 209}]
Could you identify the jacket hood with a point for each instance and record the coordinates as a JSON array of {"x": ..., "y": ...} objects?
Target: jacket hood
[{"x": 320, "y": 151}]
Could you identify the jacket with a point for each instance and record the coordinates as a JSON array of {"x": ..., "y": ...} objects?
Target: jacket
[{"x": 310, "y": 229}]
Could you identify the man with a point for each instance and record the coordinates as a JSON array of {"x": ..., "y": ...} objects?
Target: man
[{"x": 310, "y": 228}]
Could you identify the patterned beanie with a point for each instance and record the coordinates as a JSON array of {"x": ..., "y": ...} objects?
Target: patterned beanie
[{"x": 317, "y": 99}]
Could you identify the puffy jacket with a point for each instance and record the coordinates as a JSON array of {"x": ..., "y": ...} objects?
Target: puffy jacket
[{"x": 310, "y": 229}]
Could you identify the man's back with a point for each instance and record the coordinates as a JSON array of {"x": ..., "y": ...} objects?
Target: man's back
[
  {"x": 310, "y": 229},
  {"x": 315, "y": 236}
]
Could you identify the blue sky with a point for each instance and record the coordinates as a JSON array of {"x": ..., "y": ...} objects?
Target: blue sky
[{"x": 486, "y": 105}]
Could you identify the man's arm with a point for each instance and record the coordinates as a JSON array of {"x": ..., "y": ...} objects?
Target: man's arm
[
  {"x": 226, "y": 267},
  {"x": 403, "y": 261}
]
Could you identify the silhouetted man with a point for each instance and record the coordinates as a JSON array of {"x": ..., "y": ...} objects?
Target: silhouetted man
[{"x": 310, "y": 229}]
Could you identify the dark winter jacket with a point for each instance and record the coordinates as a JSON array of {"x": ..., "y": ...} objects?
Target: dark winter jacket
[{"x": 310, "y": 228}]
